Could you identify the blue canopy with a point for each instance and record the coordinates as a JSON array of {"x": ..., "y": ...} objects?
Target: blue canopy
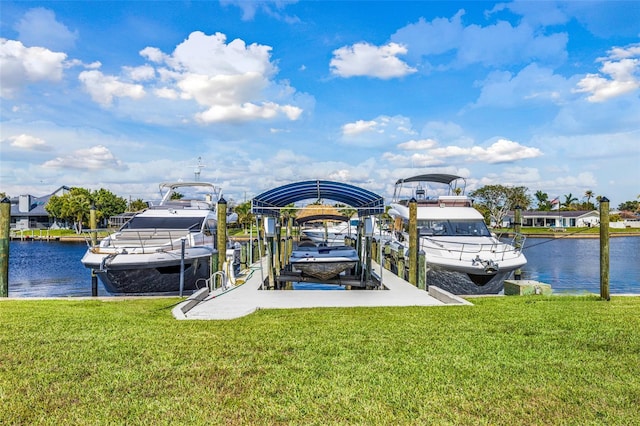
[{"x": 366, "y": 202}]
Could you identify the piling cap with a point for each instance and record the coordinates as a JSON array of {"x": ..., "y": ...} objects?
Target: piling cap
[
  {"x": 413, "y": 200},
  {"x": 222, "y": 201},
  {"x": 604, "y": 200},
  {"x": 5, "y": 200}
]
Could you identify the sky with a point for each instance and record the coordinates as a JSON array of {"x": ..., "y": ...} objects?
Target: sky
[{"x": 257, "y": 94}]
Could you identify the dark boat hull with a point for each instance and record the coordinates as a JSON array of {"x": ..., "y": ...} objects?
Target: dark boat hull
[
  {"x": 460, "y": 283},
  {"x": 153, "y": 280}
]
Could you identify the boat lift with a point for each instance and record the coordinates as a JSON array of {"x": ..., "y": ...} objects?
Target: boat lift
[{"x": 268, "y": 207}]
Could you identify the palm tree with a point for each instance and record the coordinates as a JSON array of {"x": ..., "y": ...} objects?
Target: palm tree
[
  {"x": 569, "y": 200},
  {"x": 543, "y": 200},
  {"x": 245, "y": 217},
  {"x": 589, "y": 194}
]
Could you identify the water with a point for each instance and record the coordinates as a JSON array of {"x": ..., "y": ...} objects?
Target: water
[
  {"x": 53, "y": 269},
  {"x": 49, "y": 269},
  {"x": 572, "y": 265}
]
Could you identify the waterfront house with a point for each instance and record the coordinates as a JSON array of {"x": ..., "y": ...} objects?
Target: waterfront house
[
  {"x": 28, "y": 212},
  {"x": 557, "y": 219}
]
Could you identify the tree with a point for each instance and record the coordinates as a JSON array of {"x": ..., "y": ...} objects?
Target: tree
[
  {"x": 107, "y": 204},
  {"x": 543, "y": 201},
  {"x": 517, "y": 196},
  {"x": 75, "y": 206},
  {"x": 245, "y": 217},
  {"x": 588, "y": 195},
  {"x": 569, "y": 201},
  {"x": 137, "y": 205},
  {"x": 630, "y": 206},
  {"x": 495, "y": 201}
]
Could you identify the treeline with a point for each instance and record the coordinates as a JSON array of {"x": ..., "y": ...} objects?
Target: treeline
[
  {"x": 495, "y": 202},
  {"x": 75, "y": 206}
]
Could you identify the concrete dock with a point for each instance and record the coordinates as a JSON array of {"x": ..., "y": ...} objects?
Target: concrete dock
[{"x": 247, "y": 298}]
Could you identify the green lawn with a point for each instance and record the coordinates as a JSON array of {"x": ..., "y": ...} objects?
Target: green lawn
[{"x": 516, "y": 360}]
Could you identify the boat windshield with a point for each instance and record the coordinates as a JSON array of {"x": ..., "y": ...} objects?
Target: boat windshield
[
  {"x": 451, "y": 228},
  {"x": 187, "y": 223}
]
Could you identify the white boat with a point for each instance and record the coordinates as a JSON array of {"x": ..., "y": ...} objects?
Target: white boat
[
  {"x": 462, "y": 255},
  {"x": 323, "y": 261},
  {"x": 145, "y": 255},
  {"x": 333, "y": 235}
]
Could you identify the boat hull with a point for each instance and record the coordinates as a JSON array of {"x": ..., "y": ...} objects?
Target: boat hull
[
  {"x": 136, "y": 274},
  {"x": 323, "y": 263},
  {"x": 461, "y": 283}
]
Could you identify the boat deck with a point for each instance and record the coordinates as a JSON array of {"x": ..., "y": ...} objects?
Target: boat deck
[{"x": 248, "y": 298}]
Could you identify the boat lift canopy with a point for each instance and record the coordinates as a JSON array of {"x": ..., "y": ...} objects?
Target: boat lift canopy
[{"x": 270, "y": 202}]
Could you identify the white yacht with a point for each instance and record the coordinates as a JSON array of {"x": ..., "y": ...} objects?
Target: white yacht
[
  {"x": 145, "y": 255},
  {"x": 462, "y": 255}
]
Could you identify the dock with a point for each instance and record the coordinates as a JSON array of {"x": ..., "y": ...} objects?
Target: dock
[{"x": 247, "y": 298}]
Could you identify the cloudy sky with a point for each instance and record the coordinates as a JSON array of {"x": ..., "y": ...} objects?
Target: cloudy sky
[{"x": 124, "y": 95}]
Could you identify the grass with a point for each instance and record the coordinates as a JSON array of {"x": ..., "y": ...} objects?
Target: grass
[{"x": 518, "y": 360}]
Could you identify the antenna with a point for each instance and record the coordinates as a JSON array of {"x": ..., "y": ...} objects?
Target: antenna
[{"x": 198, "y": 168}]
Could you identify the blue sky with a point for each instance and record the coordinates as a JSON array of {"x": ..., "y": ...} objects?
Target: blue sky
[{"x": 124, "y": 95}]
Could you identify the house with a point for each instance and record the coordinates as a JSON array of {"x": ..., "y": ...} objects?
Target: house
[
  {"x": 557, "y": 219},
  {"x": 27, "y": 211}
]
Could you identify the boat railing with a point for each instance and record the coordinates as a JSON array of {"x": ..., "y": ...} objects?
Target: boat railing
[
  {"x": 465, "y": 249},
  {"x": 147, "y": 239}
]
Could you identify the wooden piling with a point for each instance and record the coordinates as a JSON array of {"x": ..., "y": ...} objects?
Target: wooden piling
[
  {"x": 5, "y": 225},
  {"x": 518, "y": 241},
  {"x": 401, "y": 269},
  {"x": 221, "y": 233},
  {"x": 94, "y": 284},
  {"x": 422, "y": 270},
  {"x": 413, "y": 241},
  {"x": 93, "y": 224},
  {"x": 604, "y": 248},
  {"x": 244, "y": 248}
]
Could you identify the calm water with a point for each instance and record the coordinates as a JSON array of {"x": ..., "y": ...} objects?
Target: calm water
[{"x": 52, "y": 269}]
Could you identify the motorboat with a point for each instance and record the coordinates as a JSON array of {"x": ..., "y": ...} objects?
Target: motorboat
[
  {"x": 320, "y": 232},
  {"x": 163, "y": 245},
  {"x": 334, "y": 234},
  {"x": 323, "y": 261},
  {"x": 462, "y": 255}
]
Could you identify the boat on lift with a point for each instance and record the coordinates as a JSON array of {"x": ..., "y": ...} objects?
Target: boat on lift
[
  {"x": 146, "y": 254},
  {"x": 323, "y": 261},
  {"x": 462, "y": 255}
]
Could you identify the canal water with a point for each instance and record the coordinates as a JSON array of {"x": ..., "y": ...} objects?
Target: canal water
[{"x": 570, "y": 265}]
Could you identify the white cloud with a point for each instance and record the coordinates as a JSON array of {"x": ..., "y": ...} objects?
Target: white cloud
[
  {"x": 142, "y": 73},
  {"x": 20, "y": 65},
  {"x": 532, "y": 84},
  {"x": 414, "y": 145},
  {"x": 271, "y": 8},
  {"x": 246, "y": 112},
  {"x": 211, "y": 55},
  {"x": 490, "y": 45},
  {"x": 39, "y": 27},
  {"x": 29, "y": 143},
  {"x": 232, "y": 81},
  {"x": 103, "y": 88},
  {"x": 621, "y": 70},
  {"x": 413, "y": 160},
  {"x": 95, "y": 158},
  {"x": 381, "y": 130},
  {"x": 501, "y": 151},
  {"x": 359, "y": 127},
  {"x": 364, "y": 59}
]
